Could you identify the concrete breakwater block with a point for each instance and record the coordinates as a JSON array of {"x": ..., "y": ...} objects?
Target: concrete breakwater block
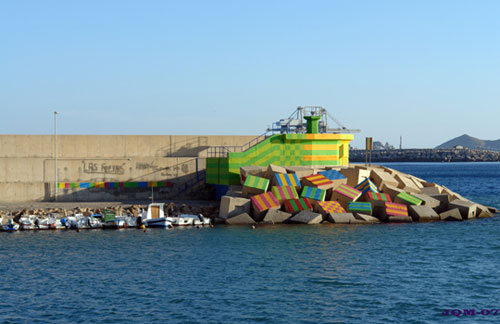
[
  {"x": 366, "y": 186},
  {"x": 306, "y": 217},
  {"x": 391, "y": 190},
  {"x": 345, "y": 194},
  {"x": 355, "y": 175},
  {"x": 378, "y": 199},
  {"x": 294, "y": 206},
  {"x": 407, "y": 199},
  {"x": 483, "y": 212},
  {"x": 428, "y": 200},
  {"x": 255, "y": 185},
  {"x": 406, "y": 184},
  {"x": 366, "y": 218},
  {"x": 328, "y": 207},
  {"x": 231, "y": 206},
  {"x": 273, "y": 169},
  {"x": 360, "y": 207},
  {"x": 444, "y": 201},
  {"x": 263, "y": 202},
  {"x": 467, "y": 209},
  {"x": 313, "y": 193},
  {"x": 275, "y": 216},
  {"x": 335, "y": 176},
  {"x": 399, "y": 219},
  {"x": 343, "y": 218},
  {"x": 245, "y": 171},
  {"x": 284, "y": 193},
  {"x": 317, "y": 181},
  {"x": 423, "y": 214},
  {"x": 241, "y": 219},
  {"x": 380, "y": 177},
  {"x": 391, "y": 209},
  {"x": 430, "y": 191},
  {"x": 300, "y": 171},
  {"x": 288, "y": 179},
  {"x": 451, "y": 215}
]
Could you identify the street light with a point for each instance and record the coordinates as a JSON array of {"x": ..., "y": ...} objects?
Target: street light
[{"x": 55, "y": 153}]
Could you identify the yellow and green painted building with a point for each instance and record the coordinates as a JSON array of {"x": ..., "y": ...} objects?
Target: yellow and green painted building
[{"x": 310, "y": 149}]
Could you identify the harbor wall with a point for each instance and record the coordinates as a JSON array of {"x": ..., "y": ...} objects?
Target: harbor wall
[{"x": 27, "y": 166}]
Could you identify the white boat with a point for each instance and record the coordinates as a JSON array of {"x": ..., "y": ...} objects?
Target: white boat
[
  {"x": 111, "y": 221},
  {"x": 155, "y": 216},
  {"x": 10, "y": 226},
  {"x": 183, "y": 220},
  {"x": 80, "y": 221},
  {"x": 198, "y": 220},
  {"x": 32, "y": 222}
]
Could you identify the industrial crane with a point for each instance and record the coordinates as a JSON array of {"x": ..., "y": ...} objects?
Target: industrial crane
[{"x": 295, "y": 123}]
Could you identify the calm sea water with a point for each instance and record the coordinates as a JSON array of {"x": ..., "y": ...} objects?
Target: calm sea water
[{"x": 405, "y": 273}]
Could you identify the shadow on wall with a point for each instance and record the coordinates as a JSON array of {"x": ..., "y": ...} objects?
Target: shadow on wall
[
  {"x": 188, "y": 148},
  {"x": 186, "y": 187}
]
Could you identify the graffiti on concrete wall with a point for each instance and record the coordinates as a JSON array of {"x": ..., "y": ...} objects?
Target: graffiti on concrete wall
[{"x": 103, "y": 168}]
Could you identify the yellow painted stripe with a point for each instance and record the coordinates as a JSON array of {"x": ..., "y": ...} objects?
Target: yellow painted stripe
[
  {"x": 321, "y": 157},
  {"x": 330, "y": 136},
  {"x": 321, "y": 147}
]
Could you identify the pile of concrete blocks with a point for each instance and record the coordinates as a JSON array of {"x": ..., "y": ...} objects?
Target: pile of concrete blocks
[{"x": 356, "y": 194}]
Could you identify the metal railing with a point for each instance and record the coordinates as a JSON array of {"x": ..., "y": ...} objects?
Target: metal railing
[{"x": 222, "y": 151}]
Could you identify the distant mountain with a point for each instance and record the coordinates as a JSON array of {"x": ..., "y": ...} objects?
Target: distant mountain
[{"x": 472, "y": 143}]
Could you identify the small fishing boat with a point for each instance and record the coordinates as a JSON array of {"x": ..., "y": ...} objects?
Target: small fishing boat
[
  {"x": 80, "y": 221},
  {"x": 111, "y": 221},
  {"x": 155, "y": 216},
  {"x": 198, "y": 220},
  {"x": 10, "y": 226},
  {"x": 183, "y": 220}
]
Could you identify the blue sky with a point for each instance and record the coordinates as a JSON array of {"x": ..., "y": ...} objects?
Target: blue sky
[{"x": 426, "y": 70}]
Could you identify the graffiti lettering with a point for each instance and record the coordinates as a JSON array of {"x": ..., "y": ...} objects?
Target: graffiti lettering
[{"x": 103, "y": 168}]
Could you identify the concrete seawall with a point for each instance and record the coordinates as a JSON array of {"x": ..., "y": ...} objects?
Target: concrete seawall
[{"x": 27, "y": 165}]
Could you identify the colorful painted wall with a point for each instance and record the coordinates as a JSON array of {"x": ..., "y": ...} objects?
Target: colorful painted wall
[{"x": 284, "y": 150}]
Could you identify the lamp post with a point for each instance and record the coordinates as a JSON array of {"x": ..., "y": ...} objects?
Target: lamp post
[{"x": 55, "y": 155}]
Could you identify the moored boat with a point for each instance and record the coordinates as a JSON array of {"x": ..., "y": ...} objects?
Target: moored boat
[{"x": 155, "y": 216}]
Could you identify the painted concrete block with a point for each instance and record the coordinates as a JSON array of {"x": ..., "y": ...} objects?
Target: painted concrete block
[
  {"x": 395, "y": 209},
  {"x": 231, "y": 206},
  {"x": 355, "y": 175},
  {"x": 329, "y": 207},
  {"x": 306, "y": 217},
  {"x": 313, "y": 193},
  {"x": 297, "y": 205},
  {"x": 255, "y": 185},
  {"x": 345, "y": 194},
  {"x": 335, "y": 176},
  {"x": 263, "y": 202},
  {"x": 284, "y": 193},
  {"x": 288, "y": 179},
  {"x": 407, "y": 199},
  {"x": 318, "y": 181},
  {"x": 366, "y": 186},
  {"x": 391, "y": 190},
  {"x": 422, "y": 213},
  {"x": 451, "y": 215},
  {"x": 360, "y": 207},
  {"x": 257, "y": 171}
]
